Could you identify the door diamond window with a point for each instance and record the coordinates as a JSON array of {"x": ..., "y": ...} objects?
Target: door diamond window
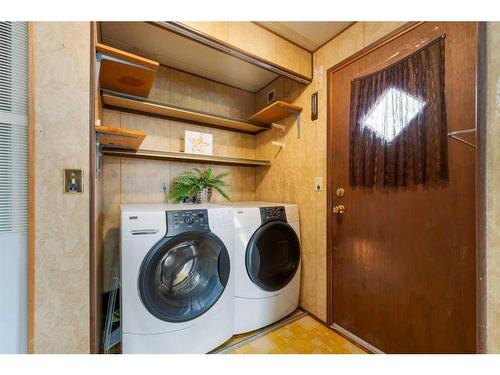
[{"x": 392, "y": 112}]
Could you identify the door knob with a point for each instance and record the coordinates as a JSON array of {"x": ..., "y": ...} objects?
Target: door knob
[{"x": 340, "y": 209}]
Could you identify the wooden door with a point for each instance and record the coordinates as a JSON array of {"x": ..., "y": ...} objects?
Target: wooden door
[{"x": 403, "y": 261}]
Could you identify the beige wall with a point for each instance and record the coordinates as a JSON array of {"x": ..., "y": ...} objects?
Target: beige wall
[
  {"x": 258, "y": 41},
  {"x": 62, "y": 83},
  {"x": 294, "y": 168},
  {"x": 493, "y": 187},
  {"x": 139, "y": 181}
]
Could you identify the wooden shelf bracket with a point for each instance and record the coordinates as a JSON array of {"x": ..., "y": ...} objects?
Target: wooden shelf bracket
[
  {"x": 99, "y": 150},
  {"x": 124, "y": 72},
  {"x": 277, "y": 111},
  {"x": 297, "y": 118},
  {"x": 117, "y": 138}
]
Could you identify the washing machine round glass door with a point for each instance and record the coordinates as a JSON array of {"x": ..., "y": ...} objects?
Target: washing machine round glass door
[
  {"x": 273, "y": 255},
  {"x": 182, "y": 277}
]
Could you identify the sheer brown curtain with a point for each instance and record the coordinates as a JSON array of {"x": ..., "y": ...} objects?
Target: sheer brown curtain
[{"x": 398, "y": 133}]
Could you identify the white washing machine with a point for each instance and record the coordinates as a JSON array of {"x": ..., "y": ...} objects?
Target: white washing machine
[
  {"x": 267, "y": 263},
  {"x": 176, "y": 279}
]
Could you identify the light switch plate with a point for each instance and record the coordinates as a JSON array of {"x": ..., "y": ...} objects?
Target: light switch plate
[
  {"x": 318, "y": 183},
  {"x": 73, "y": 181}
]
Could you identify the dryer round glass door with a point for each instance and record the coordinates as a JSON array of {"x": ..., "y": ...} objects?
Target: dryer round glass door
[
  {"x": 273, "y": 255},
  {"x": 182, "y": 277}
]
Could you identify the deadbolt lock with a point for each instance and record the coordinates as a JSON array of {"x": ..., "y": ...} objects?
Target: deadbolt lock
[
  {"x": 340, "y": 192},
  {"x": 340, "y": 209}
]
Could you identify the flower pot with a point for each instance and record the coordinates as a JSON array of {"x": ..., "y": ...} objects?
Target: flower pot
[{"x": 204, "y": 196}]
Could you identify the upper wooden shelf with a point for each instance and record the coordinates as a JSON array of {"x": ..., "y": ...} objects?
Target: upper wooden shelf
[
  {"x": 150, "y": 107},
  {"x": 274, "y": 112},
  {"x": 125, "y": 72},
  {"x": 119, "y": 137},
  {"x": 186, "y": 158},
  {"x": 180, "y": 47}
]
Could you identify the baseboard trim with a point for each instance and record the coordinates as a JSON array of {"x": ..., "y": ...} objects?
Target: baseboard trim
[
  {"x": 356, "y": 340},
  {"x": 345, "y": 334}
]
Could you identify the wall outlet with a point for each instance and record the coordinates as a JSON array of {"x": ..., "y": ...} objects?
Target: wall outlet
[
  {"x": 164, "y": 186},
  {"x": 318, "y": 183}
]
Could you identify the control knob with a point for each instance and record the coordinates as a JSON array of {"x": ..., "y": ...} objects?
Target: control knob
[{"x": 189, "y": 219}]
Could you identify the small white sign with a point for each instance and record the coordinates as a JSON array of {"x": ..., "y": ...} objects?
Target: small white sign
[
  {"x": 198, "y": 143},
  {"x": 318, "y": 77}
]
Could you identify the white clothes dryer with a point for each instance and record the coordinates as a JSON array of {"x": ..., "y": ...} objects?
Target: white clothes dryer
[{"x": 267, "y": 263}]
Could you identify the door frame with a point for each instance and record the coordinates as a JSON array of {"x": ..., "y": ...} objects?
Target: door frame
[{"x": 480, "y": 123}]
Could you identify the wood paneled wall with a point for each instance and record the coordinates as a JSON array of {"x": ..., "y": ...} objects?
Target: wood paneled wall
[
  {"x": 139, "y": 181},
  {"x": 258, "y": 41}
]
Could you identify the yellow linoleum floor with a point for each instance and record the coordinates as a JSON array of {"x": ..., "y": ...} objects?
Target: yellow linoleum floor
[{"x": 302, "y": 336}]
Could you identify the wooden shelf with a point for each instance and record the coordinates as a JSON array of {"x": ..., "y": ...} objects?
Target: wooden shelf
[
  {"x": 119, "y": 137},
  {"x": 187, "y": 158},
  {"x": 132, "y": 103},
  {"x": 180, "y": 47},
  {"x": 125, "y": 72},
  {"x": 274, "y": 112}
]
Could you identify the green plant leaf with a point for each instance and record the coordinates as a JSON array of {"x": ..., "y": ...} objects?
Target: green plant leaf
[
  {"x": 184, "y": 186},
  {"x": 188, "y": 183},
  {"x": 222, "y": 192}
]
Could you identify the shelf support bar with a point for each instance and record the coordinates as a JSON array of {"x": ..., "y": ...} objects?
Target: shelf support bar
[
  {"x": 297, "y": 118},
  {"x": 98, "y": 153}
]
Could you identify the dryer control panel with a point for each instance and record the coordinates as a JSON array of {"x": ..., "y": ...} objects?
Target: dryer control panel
[
  {"x": 272, "y": 213},
  {"x": 187, "y": 221}
]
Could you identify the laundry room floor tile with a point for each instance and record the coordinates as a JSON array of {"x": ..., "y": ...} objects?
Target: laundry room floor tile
[
  {"x": 302, "y": 336},
  {"x": 236, "y": 340}
]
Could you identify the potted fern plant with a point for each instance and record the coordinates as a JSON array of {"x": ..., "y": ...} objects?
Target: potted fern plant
[{"x": 197, "y": 185}]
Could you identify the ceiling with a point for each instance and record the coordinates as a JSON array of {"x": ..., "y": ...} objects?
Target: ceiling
[{"x": 308, "y": 35}]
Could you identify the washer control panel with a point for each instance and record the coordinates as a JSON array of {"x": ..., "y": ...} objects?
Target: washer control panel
[
  {"x": 272, "y": 213},
  {"x": 187, "y": 221}
]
